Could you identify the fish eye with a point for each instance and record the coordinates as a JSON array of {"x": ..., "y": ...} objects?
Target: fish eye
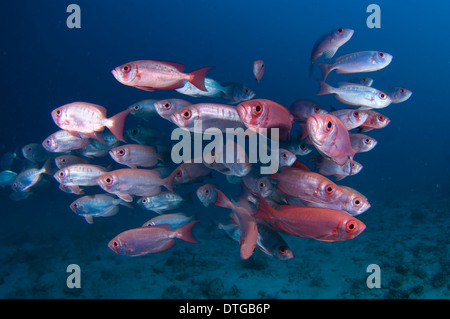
[
  {"x": 402, "y": 90},
  {"x": 14, "y": 185},
  {"x": 382, "y": 95},
  {"x": 61, "y": 174},
  {"x": 63, "y": 160},
  {"x": 121, "y": 152},
  {"x": 380, "y": 117},
  {"x": 206, "y": 191},
  {"x": 135, "y": 131},
  {"x": 262, "y": 184},
  {"x": 284, "y": 155},
  {"x": 381, "y": 54},
  {"x": 350, "y": 226},
  {"x": 167, "y": 105},
  {"x": 48, "y": 142},
  {"x": 303, "y": 146},
  {"x": 58, "y": 112},
  {"x": 144, "y": 201},
  {"x": 357, "y": 202},
  {"x": 136, "y": 107},
  {"x": 179, "y": 173},
  {"x": 329, "y": 189},
  {"x": 187, "y": 114},
  {"x": 246, "y": 90},
  {"x": 108, "y": 180},
  {"x": 75, "y": 205},
  {"x": 340, "y": 30},
  {"x": 258, "y": 109},
  {"x": 356, "y": 114},
  {"x": 115, "y": 244},
  {"x": 126, "y": 68},
  {"x": 329, "y": 126},
  {"x": 366, "y": 140},
  {"x": 316, "y": 109}
]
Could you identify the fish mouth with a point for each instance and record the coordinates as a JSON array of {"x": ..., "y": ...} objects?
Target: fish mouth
[{"x": 116, "y": 74}]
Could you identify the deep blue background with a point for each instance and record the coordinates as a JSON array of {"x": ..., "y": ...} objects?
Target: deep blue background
[{"x": 44, "y": 65}]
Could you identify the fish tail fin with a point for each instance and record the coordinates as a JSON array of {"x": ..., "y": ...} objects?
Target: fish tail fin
[
  {"x": 47, "y": 168},
  {"x": 325, "y": 88},
  {"x": 265, "y": 211},
  {"x": 197, "y": 78},
  {"x": 326, "y": 69},
  {"x": 168, "y": 182},
  {"x": 185, "y": 232},
  {"x": 117, "y": 123},
  {"x": 223, "y": 201}
]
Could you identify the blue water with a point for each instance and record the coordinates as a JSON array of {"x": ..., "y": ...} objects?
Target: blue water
[{"x": 405, "y": 177}]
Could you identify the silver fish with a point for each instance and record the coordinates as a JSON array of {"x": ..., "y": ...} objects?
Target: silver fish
[
  {"x": 30, "y": 177},
  {"x": 213, "y": 89},
  {"x": 175, "y": 220},
  {"x": 398, "y": 94},
  {"x": 99, "y": 205},
  {"x": 144, "y": 109},
  {"x": 63, "y": 141},
  {"x": 161, "y": 202},
  {"x": 356, "y": 94},
  {"x": 364, "y": 61}
]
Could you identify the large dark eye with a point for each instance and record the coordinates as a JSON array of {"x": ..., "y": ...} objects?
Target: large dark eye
[
  {"x": 48, "y": 142},
  {"x": 137, "y": 107},
  {"x": 258, "y": 109},
  {"x": 366, "y": 140},
  {"x": 356, "y": 114},
  {"x": 126, "y": 68},
  {"x": 58, "y": 112},
  {"x": 14, "y": 185},
  {"x": 121, "y": 152},
  {"x": 61, "y": 174},
  {"x": 179, "y": 173},
  {"x": 144, "y": 201},
  {"x": 316, "y": 109},
  {"x": 115, "y": 244},
  {"x": 108, "y": 180},
  {"x": 381, "y": 118},
  {"x": 206, "y": 191},
  {"x": 382, "y": 96},
  {"x": 284, "y": 155},
  {"x": 402, "y": 90},
  {"x": 75, "y": 205},
  {"x": 187, "y": 114},
  {"x": 246, "y": 90},
  {"x": 329, "y": 126},
  {"x": 135, "y": 131},
  {"x": 329, "y": 189},
  {"x": 340, "y": 30},
  {"x": 262, "y": 184},
  {"x": 167, "y": 106},
  {"x": 356, "y": 202},
  {"x": 351, "y": 226},
  {"x": 381, "y": 54}
]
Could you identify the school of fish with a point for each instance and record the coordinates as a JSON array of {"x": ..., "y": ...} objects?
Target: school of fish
[{"x": 296, "y": 200}]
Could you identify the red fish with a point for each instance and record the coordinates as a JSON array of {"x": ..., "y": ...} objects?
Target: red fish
[
  {"x": 374, "y": 120},
  {"x": 89, "y": 119},
  {"x": 330, "y": 137},
  {"x": 311, "y": 222},
  {"x": 147, "y": 240},
  {"x": 306, "y": 185},
  {"x": 150, "y": 75},
  {"x": 261, "y": 113},
  {"x": 245, "y": 221}
]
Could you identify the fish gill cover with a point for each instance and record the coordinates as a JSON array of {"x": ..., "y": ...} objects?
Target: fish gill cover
[{"x": 211, "y": 149}]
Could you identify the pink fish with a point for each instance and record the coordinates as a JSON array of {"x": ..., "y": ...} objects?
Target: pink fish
[
  {"x": 127, "y": 182},
  {"x": 89, "y": 119},
  {"x": 330, "y": 137},
  {"x": 150, "y": 75},
  {"x": 258, "y": 69},
  {"x": 261, "y": 113},
  {"x": 311, "y": 222},
  {"x": 147, "y": 240},
  {"x": 134, "y": 155},
  {"x": 374, "y": 120},
  {"x": 306, "y": 185},
  {"x": 187, "y": 173},
  {"x": 242, "y": 217}
]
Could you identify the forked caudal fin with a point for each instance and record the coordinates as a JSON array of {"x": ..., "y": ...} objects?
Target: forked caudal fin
[
  {"x": 116, "y": 124},
  {"x": 197, "y": 78},
  {"x": 325, "y": 89},
  {"x": 185, "y": 232}
]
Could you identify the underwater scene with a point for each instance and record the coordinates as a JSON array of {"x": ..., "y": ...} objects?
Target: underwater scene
[{"x": 211, "y": 149}]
